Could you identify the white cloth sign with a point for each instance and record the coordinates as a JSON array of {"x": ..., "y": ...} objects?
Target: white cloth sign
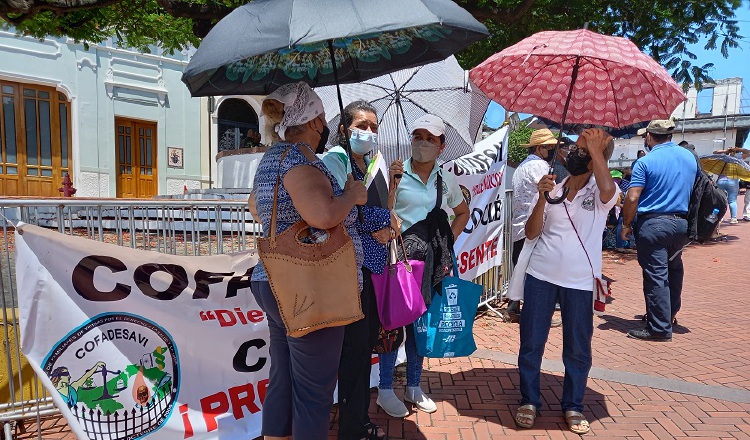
[
  {"x": 481, "y": 178},
  {"x": 132, "y": 342}
]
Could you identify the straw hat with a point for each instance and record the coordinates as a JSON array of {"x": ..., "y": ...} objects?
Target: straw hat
[{"x": 541, "y": 137}]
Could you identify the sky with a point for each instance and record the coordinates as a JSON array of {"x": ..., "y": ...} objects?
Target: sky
[{"x": 737, "y": 65}]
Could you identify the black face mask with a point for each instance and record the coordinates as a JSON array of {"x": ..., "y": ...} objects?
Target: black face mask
[
  {"x": 545, "y": 154},
  {"x": 323, "y": 140},
  {"x": 577, "y": 165}
]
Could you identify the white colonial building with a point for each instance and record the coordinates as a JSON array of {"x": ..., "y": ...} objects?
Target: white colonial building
[{"x": 120, "y": 122}]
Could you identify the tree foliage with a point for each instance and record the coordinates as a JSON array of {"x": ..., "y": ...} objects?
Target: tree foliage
[
  {"x": 521, "y": 135},
  {"x": 663, "y": 28}
]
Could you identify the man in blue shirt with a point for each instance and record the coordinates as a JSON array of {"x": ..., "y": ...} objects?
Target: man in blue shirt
[{"x": 660, "y": 192}]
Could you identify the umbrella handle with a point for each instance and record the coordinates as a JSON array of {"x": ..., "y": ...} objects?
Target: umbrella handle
[
  {"x": 347, "y": 147},
  {"x": 558, "y": 200}
]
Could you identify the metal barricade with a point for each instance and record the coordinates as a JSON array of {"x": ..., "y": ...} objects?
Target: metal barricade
[
  {"x": 179, "y": 227},
  {"x": 182, "y": 227}
]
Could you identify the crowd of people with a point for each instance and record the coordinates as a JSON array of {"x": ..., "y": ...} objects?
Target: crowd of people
[
  {"x": 324, "y": 188},
  {"x": 564, "y": 197}
]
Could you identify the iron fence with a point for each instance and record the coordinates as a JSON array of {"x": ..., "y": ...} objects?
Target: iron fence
[{"x": 179, "y": 227}]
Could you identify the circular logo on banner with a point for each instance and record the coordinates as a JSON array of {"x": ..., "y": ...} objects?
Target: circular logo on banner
[
  {"x": 119, "y": 375},
  {"x": 466, "y": 193}
]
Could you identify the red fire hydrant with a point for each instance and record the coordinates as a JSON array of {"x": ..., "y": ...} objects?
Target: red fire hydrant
[{"x": 67, "y": 188}]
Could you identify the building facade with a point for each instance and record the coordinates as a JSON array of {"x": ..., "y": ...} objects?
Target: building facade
[
  {"x": 716, "y": 118},
  {"x": 121, "y": 123}
]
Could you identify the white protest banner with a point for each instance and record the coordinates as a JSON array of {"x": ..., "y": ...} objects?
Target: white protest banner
[
  {"x": 481, "y": 177},
  {"x": 488, "y": 151},
  {"x": 133, "y": 343}
]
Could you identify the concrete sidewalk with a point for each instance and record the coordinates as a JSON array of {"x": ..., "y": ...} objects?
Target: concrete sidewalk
[{"x": 697, "y": 386}]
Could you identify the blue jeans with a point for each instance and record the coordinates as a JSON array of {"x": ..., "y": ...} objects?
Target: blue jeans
[
  {"x": 387, "y": 363},
  {"x": 302, "y": 377},
  {"x": 660, "y": 241},
  {"x": 576, "y": 309},
  {"x": 732, "y": 187}
]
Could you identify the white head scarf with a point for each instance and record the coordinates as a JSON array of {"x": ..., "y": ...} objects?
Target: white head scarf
[{"x": 301, "y": 105}]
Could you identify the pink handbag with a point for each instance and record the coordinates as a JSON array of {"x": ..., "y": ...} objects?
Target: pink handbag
[{"x": 398, "y": 290}]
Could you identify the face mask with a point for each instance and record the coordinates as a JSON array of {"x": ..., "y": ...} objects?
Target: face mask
[
  {"x": 547, "y": 154},
  {"x": 577, "y": 165},
  {"x": 362, "y": 142},
  {"x": 323, "y": 139},
  {"x": 424, "y": 151}
]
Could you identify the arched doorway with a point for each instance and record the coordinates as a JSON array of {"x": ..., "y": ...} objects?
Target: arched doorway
[{"x": 237, "y": 124}]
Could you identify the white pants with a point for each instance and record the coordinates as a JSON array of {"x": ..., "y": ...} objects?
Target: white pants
[{"x": 746, "y": 211}]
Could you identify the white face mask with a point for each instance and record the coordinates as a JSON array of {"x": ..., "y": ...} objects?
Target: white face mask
[
  {"x": 362, "y": 142},
  {"x": 424, "y": 151}
]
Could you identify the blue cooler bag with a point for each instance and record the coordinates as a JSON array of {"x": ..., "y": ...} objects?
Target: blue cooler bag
[{"x": 445, "y": 329}]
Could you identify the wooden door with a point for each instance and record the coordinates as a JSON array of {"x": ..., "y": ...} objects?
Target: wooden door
[
  {"x": 35, "y": 140},
  {"x": 136, "y": 158}
]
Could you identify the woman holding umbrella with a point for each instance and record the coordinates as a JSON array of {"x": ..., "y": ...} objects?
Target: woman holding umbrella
[
  {"x": 729, "y": 184},
  {"x": 571, "y": 232},
  {"x": 303, "y": 369},
  {"x": 361, "y": 120}
]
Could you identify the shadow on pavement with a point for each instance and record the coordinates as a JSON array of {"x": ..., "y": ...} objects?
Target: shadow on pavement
[
  {"x": 623, "y": 325},
  {"x": 721, "y": 239}
]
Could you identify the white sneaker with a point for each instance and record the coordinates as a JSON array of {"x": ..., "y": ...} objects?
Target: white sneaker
[
  {"x": 391, "y": 404},
  {"x": 416, "y": 396},
  {"x": 733, "y": 221}
]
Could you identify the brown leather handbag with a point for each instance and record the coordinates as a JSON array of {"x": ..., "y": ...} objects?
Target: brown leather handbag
[{"x": 315, "y": 284}]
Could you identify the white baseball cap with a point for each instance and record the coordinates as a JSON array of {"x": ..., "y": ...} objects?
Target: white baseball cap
[{"x": 431, "y": 123}]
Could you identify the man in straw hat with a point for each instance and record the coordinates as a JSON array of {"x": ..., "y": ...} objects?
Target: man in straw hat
[
  {"x": 659, "y": 192},
  {"x": 525, "y": 180}
]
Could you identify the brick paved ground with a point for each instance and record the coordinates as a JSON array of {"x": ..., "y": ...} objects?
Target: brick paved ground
[{"x": 696, "y": 387}]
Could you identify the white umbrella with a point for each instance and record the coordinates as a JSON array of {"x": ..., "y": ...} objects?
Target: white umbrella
[{"x": 442, "y": 89}]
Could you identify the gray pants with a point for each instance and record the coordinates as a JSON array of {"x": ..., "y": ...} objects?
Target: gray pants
[{"x": 302, "y": 378}]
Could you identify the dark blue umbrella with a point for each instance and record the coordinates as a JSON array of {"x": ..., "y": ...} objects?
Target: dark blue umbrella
[{"x": 267, "y": 43}]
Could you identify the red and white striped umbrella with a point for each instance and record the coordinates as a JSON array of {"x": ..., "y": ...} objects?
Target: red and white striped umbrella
[{"x": 614, "y": 84}]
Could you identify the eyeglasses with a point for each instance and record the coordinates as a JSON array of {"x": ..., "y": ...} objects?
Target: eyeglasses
[{"x": 579, "y": 151}]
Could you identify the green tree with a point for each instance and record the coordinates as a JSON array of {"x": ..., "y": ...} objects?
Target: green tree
[
  {"x": 662, "y": 28},
  {"x": 521, "y": 135}
]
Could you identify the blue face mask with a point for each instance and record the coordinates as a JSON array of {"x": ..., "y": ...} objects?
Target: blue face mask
[{"x": 362, "y": 142}]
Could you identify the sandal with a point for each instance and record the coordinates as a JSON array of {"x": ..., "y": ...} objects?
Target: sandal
[
  {"x": 372, "y": 432},
  {"x": 576, "y": 418},
  {"x": 526, "y": 416}
]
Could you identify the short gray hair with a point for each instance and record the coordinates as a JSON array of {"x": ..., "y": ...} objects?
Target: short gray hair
[{"x": 609, "y": 149}]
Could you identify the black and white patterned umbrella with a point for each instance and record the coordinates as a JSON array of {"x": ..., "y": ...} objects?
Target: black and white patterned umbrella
[{"x": 442, "y": 89}]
